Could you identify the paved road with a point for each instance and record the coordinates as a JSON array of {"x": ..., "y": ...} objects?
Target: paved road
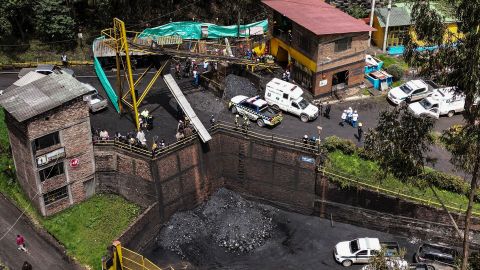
[
  {"x": 162, "y": 105},
  {"x": 41, "y": 254}
]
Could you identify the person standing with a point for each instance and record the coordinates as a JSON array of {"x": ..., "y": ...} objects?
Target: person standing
[
  {"x": 287, "y": 74},
  {"x": 349, "y": 115},
  {"x": 320, "y": 109},
  {"x": 327, "y": 111},
  {"x": 196, "y": 80},
  {"x": 64, "y": 60},
  {"x": 212, "y": 121},
  {"x": 359, "y": 132},
  {"x": 177, "y": 71},
  {"x": 237, "y": 121},
  {"x": 21, "y": 243},
  {"x": 344, "y": 118},
  {"x": 246, "y": 122},
  {"x": 354, "y": 119}
]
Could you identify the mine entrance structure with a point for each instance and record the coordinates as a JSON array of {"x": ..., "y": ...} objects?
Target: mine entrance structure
[{"x": 122, "y": 44}]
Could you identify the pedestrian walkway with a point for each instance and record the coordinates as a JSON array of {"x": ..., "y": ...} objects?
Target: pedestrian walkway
[{"x": 41, "y": 254}]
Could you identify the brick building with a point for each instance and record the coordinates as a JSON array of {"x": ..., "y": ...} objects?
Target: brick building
[
  {"x": 49, "y": 130},
  {"x": 324, "y": 46}
]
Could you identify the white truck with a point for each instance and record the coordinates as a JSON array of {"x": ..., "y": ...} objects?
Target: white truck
[
  {"x": 95, "y": 101},
  {"x": 443, "y": 101},
  {"x": 360, "y": 250},
  {"x": 288, "y": 97}
]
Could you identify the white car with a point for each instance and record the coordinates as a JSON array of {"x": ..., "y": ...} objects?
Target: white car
[
  {"x": 413, "y": 90},
  {"x": 360, "y": 250},
  {"x": 95, "y": 101}
]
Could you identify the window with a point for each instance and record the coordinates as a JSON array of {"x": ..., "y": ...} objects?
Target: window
[
  {"x": 343, "y": 44},
  {"x": 285, "y": 96},
  {"x": 46, "y": 141},
  {"x": 362, "y": 252},
  {"x": 51, "y": 171},
  {"x": 55, "y": 195},
  {"x": 295, "y": 105}
]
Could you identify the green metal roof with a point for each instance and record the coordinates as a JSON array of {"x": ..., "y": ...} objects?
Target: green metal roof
[{"x": 445, "y": 11}]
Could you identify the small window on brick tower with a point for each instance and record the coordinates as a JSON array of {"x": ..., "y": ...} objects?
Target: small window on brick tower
[
  {"x": 343, "y": 44},
  {"x": 46, "y": 141},
  {"x": 51, "y": 171},
  {"x": 55, "y": 195}
]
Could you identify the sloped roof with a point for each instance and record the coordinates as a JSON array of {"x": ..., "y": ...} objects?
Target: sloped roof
[
  {"x": 443, "y": 10},
  {"x": 28, "y": 78},
  {"x": 318, "y": 17},
  {"x": 42, "y": 95},
  {"x": 399, "y": 16}
]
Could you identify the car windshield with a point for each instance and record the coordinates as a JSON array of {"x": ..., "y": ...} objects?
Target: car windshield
[
  {"x": 405, "y": 88},
  {"x": 96, "y": 96},
  {"x": 354, "y": 246},
  {"x": 425, "y": 104},
  {"x": 303, "y": 104}
]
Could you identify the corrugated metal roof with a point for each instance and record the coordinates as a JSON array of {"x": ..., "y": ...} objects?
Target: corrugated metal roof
[
  {"x": 318, "y": 17},
  {"x": 399, "y": 16},
  {"x": 42, "y": 95},
  {"x": 28, "y": 78}
]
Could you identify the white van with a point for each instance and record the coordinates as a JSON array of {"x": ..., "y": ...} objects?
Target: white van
[{"x": 288, "y": 97}]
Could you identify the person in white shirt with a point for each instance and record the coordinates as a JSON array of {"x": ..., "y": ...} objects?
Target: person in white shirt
[{"x": 344, "y": 118}]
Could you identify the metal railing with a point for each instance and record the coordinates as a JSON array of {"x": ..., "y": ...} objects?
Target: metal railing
[
  {"x": 288, "y": 142},
  {"x": 342, "y": 177},
  {"x": 134, "y": 261}
]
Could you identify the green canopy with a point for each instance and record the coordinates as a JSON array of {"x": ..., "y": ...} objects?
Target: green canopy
[{"x": 193, "y": 30}]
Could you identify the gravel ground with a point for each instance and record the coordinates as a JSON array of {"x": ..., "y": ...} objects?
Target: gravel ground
[
  {"x": 236, "y": 85},
  {"x": 227, "y": 220}
]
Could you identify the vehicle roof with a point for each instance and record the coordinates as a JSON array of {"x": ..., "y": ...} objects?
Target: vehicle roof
[
  {"x": 444, "y": 93},
  {"x": 369, "y": 243},
  {"x": 293, "y": 90},
  {"x": 45, "y": 67},
  {"x": 257, "y": 101},
  {"x": 415, "y": 84},
  {"x": 440, "y": 250}
]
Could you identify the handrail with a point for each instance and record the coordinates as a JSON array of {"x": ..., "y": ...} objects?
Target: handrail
[
  {"x": 392, "y": 192},
  {"x": 219, "y": 126}
]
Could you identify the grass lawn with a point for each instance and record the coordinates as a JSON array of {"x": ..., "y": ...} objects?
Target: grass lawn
[
  {"x": 352, "y": 166},
  {"x": 87, "y": 229},
  {"x": 390, "y": 60}
]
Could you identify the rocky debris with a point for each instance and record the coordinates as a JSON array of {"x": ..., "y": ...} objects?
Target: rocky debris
[
  {"x": 205, "y": 101},
  {"x": 228, "y": 220},
  {"x": 236, "y": 85}
]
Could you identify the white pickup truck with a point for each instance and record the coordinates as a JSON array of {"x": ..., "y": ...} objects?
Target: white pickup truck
[
  {"x": 95, "y": 101},
  {"x": 443, "y": 101},
  {"x": 413, "y": 90},
  {"x": 360, "y": 250},
  {"x": 288, "y": 97}
]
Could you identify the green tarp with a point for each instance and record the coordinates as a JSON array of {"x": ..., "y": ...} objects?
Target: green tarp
[
  {"x": 193, "y": 30},
  {"x": 112, "y": 96}
]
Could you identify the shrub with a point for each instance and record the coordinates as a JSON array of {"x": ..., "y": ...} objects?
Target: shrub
[
  {"x": 446, "y": 182},
  {"x": 333, "y": 143},
  {"x": 396, "y": 71}
]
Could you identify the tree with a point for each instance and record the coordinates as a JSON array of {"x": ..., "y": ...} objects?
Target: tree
[
  {"x": 53, "y": 21},
  {"x": 456, "y": 62},
  {"x": 381, "y": 262},
  {"x": 399, "y": 142},
  {"x": 5, "y": 25},
  {"x": 357, "y": 11}
]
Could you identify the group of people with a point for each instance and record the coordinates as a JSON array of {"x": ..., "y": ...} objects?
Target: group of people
[
  {"x": 239, "y": 124},
  {"x": 286, "y": 75},
  {"x": 184, "y": 129},
  {"x": 350, "y": 117},
  {"x": 191, "y": 68}
]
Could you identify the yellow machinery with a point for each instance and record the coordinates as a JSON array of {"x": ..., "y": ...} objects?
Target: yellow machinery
[
  {"x": 123, "y": 44},
  {"x": 121, "y": 258}
]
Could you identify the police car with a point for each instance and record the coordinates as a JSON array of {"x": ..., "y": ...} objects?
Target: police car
[{"x": 256, "y": 109}]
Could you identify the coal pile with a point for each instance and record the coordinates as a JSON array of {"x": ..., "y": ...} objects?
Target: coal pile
[
  {"x": 236, "y": 85},
  {"x": 206, "y": 101},
  {"x": 227, "y": 220}
]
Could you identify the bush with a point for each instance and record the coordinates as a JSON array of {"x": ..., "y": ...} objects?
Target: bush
[
  {"x": 396, "y": 71},
  {"x": 446, "y": 182},
  {"x": 334, "y": 143}
]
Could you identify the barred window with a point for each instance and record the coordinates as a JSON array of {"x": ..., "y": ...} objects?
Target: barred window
[
  {"x": 46, "y": 141},
  {"x": 55, "y": 195},
  {"x": 51, "y": 171}
]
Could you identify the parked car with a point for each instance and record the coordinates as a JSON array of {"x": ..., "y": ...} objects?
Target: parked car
[
  {"x": 256, "y": 109},
  {"x": 95, "y": 101},
  {"x": 442, "y": 257},
  {"x": 360, "y": 250},
  {"x": 287, "y": 97},
  {"x": 413, "y": 90},
  {"x": 443, "y": 101},
  {"x": 46, "y": 69}
]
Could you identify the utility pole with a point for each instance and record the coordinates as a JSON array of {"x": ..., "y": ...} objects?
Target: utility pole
[
  {"x": 386, "y": 26},
  {"x": 371, "y": 23},
  {"x": 238, "y": 23}
]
